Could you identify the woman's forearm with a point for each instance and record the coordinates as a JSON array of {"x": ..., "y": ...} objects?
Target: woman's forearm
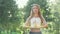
[{"x": 44, "y": 26}]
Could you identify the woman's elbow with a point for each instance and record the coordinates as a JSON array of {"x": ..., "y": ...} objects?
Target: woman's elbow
[{"x": 46, "y": 25}]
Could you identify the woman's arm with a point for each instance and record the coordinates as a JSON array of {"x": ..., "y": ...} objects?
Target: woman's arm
[
  {"x": 27, "y": 24},
  {"x": 44, "y": 24}
]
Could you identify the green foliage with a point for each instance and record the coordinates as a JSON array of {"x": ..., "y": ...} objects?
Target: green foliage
[{"x": 8, "y": 15}]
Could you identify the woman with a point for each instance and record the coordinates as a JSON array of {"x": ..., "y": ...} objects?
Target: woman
[{"x": 35, "y": 21}]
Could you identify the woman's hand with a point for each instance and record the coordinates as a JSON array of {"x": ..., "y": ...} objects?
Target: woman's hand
[
  {"x": 25, "y": 26},
  {"x": 44, "y": 26}
]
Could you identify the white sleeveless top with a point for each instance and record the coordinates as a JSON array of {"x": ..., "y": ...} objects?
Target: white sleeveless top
[{"x": 35, "y": 20}]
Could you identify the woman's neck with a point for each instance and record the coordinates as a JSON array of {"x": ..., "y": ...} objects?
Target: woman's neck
[{"x": 36, "y": 15}]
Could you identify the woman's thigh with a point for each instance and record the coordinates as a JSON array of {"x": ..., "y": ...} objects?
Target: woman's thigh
[{"x": 35, "y": 32}]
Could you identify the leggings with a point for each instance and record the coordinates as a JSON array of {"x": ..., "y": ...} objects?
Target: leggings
[{"x": 35, "y": 33}]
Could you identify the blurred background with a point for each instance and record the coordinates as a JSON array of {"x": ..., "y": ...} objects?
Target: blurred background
[{"x": 13, "y": 14}]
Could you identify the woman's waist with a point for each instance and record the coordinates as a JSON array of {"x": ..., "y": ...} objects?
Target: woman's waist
[{"x": 35, "y": 29}]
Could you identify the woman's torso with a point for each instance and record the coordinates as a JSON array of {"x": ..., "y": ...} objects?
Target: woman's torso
[{"x": 37, "y": 21}]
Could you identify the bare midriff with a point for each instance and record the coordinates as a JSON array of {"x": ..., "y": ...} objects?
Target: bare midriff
[{"x": 35, "y": 30}]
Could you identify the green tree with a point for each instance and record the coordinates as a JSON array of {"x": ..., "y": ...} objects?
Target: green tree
[
  {"x": 8, "y": 15},
  {"x": 55, "y": 14},
  {"x": 57, "y": 17}
]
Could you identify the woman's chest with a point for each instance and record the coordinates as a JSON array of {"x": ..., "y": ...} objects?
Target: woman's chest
[{"x": 35, "y": 22}]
